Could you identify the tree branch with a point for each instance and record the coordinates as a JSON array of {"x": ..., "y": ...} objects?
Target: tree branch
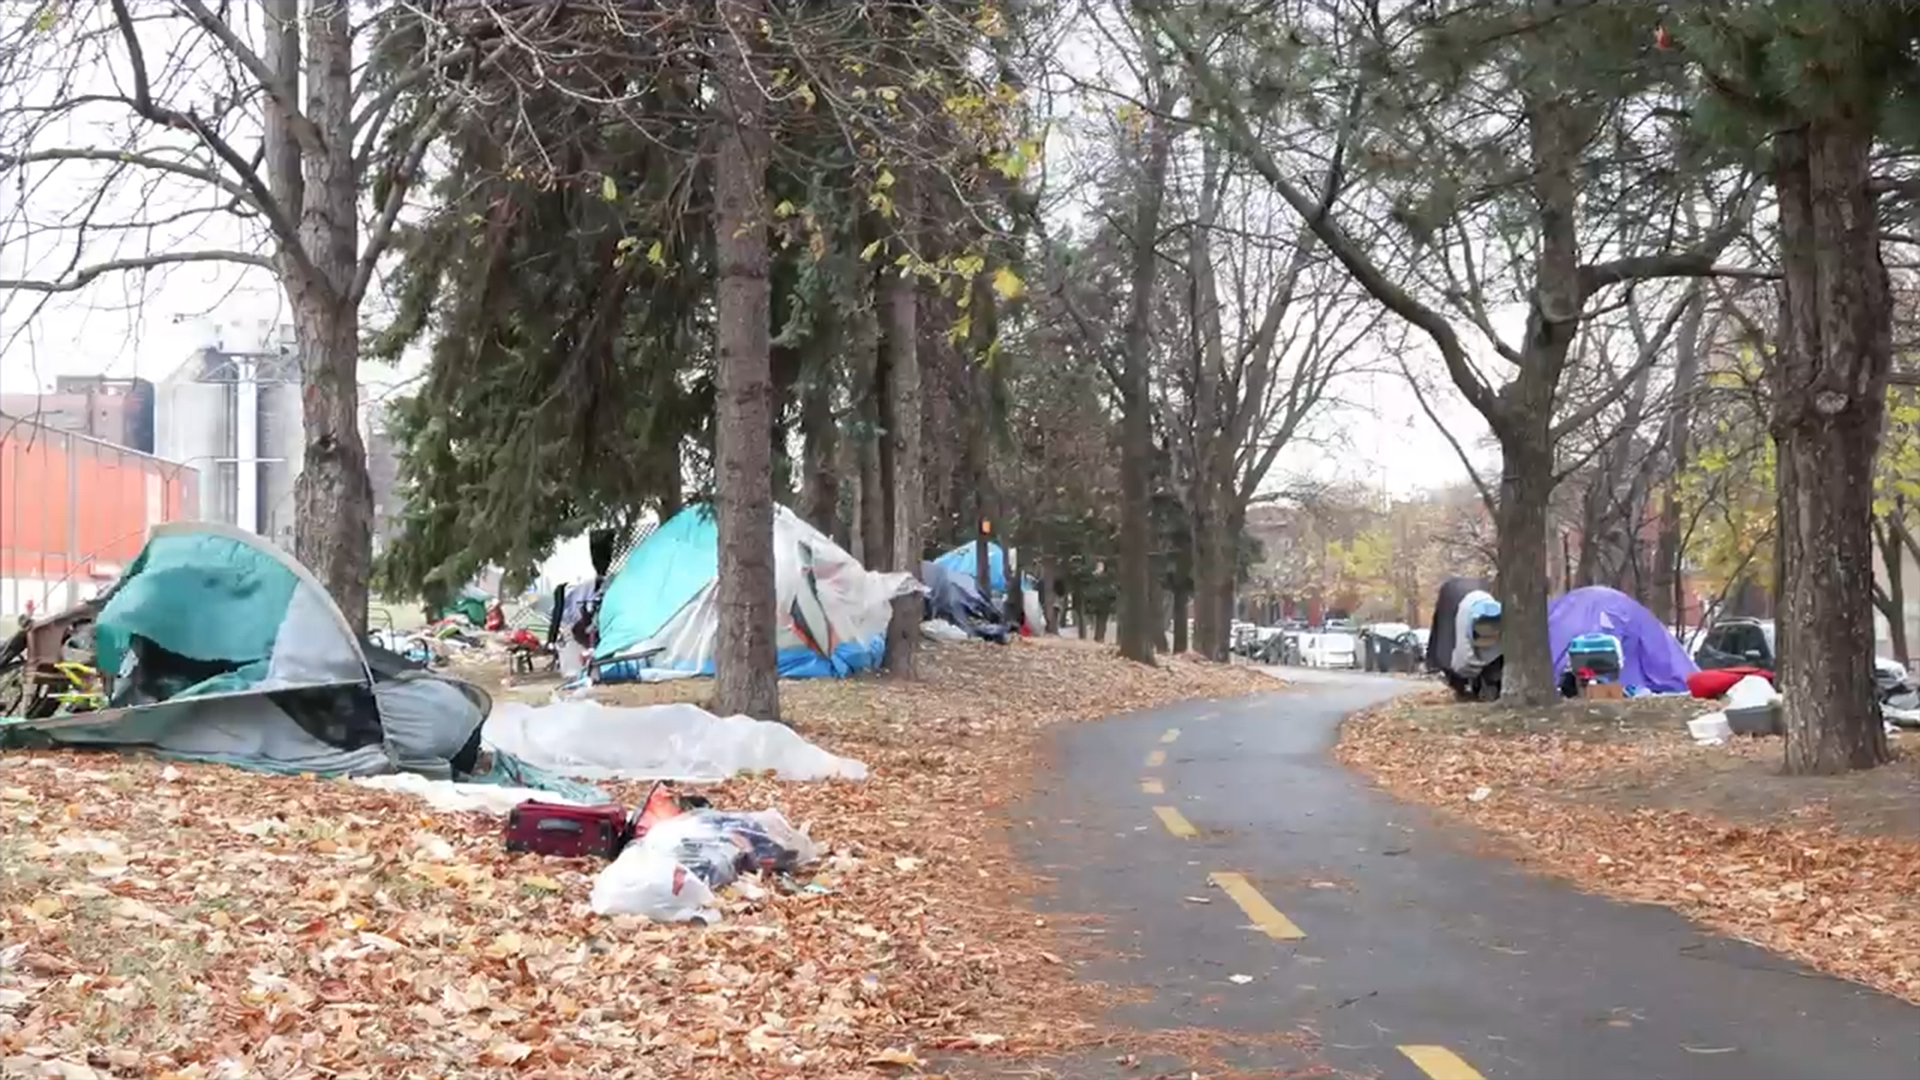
[
  {"x": 1649, "y": 353},
  {"x": 283, "y": 227},
  {"x": 82, "y": 277},
  {"x": 284, "y": 97},
  {"x": 1222, "y": 102},
  {"x": 128, "y": 157}
]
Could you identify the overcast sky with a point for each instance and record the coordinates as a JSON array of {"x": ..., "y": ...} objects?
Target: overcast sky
[{"x": 147, "y": 324}]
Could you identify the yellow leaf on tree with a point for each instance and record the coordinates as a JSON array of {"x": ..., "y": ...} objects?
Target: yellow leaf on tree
[
  {"x": 657, "y": 254},
  {"x": 608, "y": 189},
  {"x": 872, "y": 249},
  {"x": 1008, "y": 284}
]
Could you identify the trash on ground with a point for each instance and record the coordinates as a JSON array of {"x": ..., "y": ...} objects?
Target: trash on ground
[
  {"x": 670, "y": 874},
  {"x": 942, "y": 630},
  {"x": 1710, "y": 729},
  {"x": 681, "y": 741}
]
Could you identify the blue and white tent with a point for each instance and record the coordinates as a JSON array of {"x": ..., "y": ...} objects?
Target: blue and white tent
[
  {"x": 964, "y": 560},
  {"x": 659, "y": 614}
]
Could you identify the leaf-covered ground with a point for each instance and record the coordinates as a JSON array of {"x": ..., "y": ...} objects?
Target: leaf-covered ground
[
  {"x": 1620, "y": 801},
  {"x": 162, "y": 919}
]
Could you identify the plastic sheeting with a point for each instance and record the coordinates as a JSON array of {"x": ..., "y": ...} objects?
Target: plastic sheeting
[{"x": 590, "y": 741}]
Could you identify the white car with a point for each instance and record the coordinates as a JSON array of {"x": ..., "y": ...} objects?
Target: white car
[{"x": 1330, "y": 649}]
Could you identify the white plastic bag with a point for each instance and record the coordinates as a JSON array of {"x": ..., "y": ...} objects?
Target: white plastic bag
[
  {"x": 649, "y": 882},
  {"x": 1751, "y": 692},
  {"x": 670, "y": 874}
]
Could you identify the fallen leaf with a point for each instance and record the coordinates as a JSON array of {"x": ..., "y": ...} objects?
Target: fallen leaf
[{"x": 895, "y": 1056}]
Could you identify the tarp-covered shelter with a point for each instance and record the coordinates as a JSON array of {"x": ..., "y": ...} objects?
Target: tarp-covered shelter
[
  {"x": 1464, "y": 644},
  {"x": 217, "y": 646},
  {"x": 1650, "y": 657},
  {"x": 965, "y": 560},
  {"x": 660, "y": 613}
]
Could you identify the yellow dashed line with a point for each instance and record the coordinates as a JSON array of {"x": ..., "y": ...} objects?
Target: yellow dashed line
[
  {"x": 1153, "y": 787},
  {"x": 1156, "y": 759},
  {"x": 1262, "y": 914},
  {"x": 1176, "y": 823},
  {"x": 1440, "y": 1063},
  {"x": 1172, "y": 734}
]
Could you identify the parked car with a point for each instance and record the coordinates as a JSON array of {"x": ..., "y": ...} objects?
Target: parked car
[
  {"x": 1750, "y": 643},
  {"x": 1376, "y": 643},
  {"x": 1737, "y": 643}
]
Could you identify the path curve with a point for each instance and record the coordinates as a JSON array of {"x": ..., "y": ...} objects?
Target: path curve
[{"x": 1249, "y": 882}]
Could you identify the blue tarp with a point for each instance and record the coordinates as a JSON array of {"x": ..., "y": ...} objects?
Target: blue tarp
[
  {"x": 1651, "y": 658},
  {"x": 962, "y": 560}
]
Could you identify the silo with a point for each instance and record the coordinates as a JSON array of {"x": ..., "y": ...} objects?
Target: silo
[
  {"x": 282, "y": 446},
  {"x": 193, "y": 425}
]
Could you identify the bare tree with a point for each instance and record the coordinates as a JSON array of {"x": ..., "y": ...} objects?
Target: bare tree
[
  {"x": 301, "y": 154},
  {"x": 1490, "y": 175}
]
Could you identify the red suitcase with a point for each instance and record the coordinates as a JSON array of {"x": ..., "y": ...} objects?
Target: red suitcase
[{"x": 569, "y": 832}]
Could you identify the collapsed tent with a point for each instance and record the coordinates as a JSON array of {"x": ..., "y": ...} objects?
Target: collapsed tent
[
  {"x": 952, "y": 596},
  {"x": 1650, "y": 657},
  {"x": 217, "y": 646},
  {"x": 660, "y": 613}
]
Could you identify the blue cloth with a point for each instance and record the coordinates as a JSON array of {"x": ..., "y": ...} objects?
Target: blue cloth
[{"x": 1650, "y": 657}]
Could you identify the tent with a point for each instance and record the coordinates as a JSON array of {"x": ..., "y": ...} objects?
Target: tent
[
  {"x": 963, "y": 560},
  {"x": 217, "y": 646},
  {"x": 1651, "y": 658},
  {"x": 659, "y": 614}
]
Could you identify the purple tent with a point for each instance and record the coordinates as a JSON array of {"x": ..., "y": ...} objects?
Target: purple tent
[{"x": 1651, "y": 659}]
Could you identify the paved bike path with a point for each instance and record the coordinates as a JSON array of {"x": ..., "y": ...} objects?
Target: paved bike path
[{"x": 1416, "y": 957}]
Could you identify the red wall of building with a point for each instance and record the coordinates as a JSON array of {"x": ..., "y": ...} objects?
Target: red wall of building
[{"x": 78, "y": 509}]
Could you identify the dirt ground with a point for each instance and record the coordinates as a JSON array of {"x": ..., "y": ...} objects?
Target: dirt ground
[
  {"x": 181, "y": 920},
  {"x": 1617, "y": 798}
]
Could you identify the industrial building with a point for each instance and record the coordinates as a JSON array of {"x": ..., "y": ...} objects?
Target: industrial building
[
  {"x": 235, "y": 416},
  {"x": 74, "y": 510},
  {"x": 118, "y": 411}
]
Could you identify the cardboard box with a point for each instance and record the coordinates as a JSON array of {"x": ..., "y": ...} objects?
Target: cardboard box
[{"x": 1604, "y": 691}]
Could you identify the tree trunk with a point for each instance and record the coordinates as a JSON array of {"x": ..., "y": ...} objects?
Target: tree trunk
[
  {"x": 745, "y": 662},
  {"x": 1139, "y": 603},
  {"x": 1179, "y": 621},
  {"x": 1526, "y": 488},
  {"x": 333, "y": 496},
  {"x": 903, "y": 436},
  {"x": 873, "y": 527},
  {"x": 1829, "y": 381},
  {"x": 1892, "y": 602},
  {"x": 820, "y": 484}
]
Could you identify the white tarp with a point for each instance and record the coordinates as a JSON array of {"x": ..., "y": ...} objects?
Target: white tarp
[
  {"x": 451, "y": 796},
  {"x": 590, "y": 741}
]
